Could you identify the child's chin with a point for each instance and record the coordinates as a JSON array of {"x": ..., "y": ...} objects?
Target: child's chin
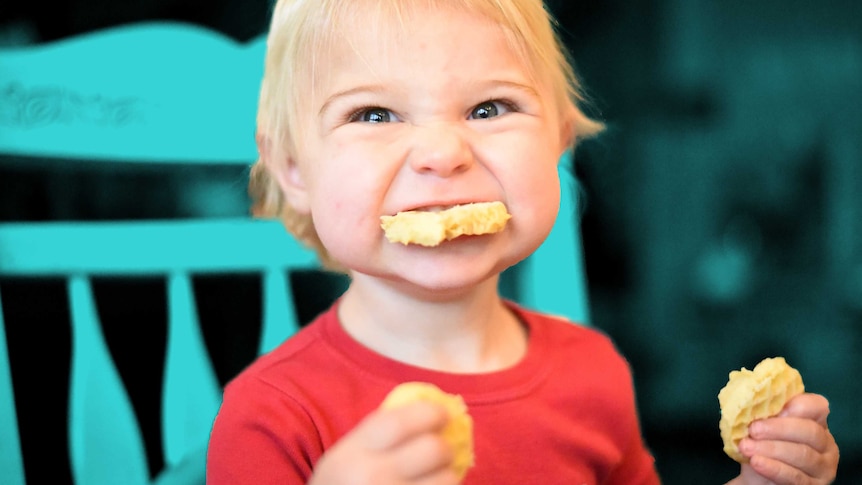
[{"x": 446, "y": 278}]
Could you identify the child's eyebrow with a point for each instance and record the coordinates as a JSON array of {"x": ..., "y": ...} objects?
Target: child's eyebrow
[
  {"x": 373, "y": 88},
  {"x": 526, "y": 88}
]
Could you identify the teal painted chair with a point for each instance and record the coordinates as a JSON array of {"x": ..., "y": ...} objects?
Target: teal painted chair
[{"x": 168, "y": 94}]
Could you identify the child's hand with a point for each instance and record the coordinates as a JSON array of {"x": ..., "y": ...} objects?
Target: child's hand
[
  {"x": 391, "y": 447},
  {"x": 793, "y": 448}
]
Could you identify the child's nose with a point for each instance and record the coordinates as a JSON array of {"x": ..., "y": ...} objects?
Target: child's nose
[{"x": 442, "y": 150}]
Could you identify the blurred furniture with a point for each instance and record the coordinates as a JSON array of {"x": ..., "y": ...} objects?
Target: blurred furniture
[
  {"x": 166, "y": 95},
  {"x": 105, "y": 442}
]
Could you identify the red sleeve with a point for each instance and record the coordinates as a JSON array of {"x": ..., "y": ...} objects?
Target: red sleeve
[
  {"x": 248, "y": 443},
  {"x": 637, "y": 466}
]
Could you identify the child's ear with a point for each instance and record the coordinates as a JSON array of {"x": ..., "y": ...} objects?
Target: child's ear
[
  {"x": 577, "y": 127},
  {"x": 568, "y": 130},
  {"x": 567, "y": 138},
  {"x": 284, "y": 168}
]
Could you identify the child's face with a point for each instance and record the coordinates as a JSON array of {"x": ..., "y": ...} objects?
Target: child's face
[{"x": 443, "y": 114}]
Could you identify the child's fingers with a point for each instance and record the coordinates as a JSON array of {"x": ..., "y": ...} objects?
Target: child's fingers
[
  {"x": 779, "y": 472},
  {"x": 384, "y": 429},
  {"x": 792, "y": 430},
  {"x": 787, "y": 450},
  {"x": 423, "y": 456},
  {"x": 796, "y": 447},
  {"x": 783, "y": 473},
  {"x": 771, "y": 457},
  {"x": 808, "y": 406}
]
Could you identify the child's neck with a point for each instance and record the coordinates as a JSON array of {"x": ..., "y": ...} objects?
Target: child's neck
[{"x": 471, "y": 333}]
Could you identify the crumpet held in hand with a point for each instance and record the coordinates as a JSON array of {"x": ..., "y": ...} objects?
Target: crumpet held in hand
[
  {"x": 458, "y": 433},
  {"x": 750, "y": 395}
]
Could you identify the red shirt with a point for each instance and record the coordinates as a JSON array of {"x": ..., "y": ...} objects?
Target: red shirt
[{"x": 565, "y": 414}]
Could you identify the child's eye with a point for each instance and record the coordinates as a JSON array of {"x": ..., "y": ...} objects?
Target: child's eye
[
  {"x": 490, "y": 109},
  {"x": 373, "y": 115}
]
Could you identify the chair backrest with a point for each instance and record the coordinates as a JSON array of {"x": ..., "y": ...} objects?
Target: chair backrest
[
  {"x": 151, "y": 92},
  {"x": 173, "y": 94},
  {"x": 174, "y": 250}
]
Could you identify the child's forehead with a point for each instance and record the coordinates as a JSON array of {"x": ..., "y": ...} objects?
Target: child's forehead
[
  {"x": 393, "y": 12},
  {"x": 394, "y": 20},
  {"x": 368, "y": 33}
]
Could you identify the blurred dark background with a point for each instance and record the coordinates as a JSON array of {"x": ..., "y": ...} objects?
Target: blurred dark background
[{"x": 723, "y": 207}]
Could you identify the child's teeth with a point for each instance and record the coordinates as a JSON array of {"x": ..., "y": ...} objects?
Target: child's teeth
[{"x": 437, "y": 208}]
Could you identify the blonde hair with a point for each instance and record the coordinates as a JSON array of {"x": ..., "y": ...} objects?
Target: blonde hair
[{"x": 300, "y": 32}]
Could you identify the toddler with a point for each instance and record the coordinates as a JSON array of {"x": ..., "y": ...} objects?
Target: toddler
[{"x": 369, "y": 108}]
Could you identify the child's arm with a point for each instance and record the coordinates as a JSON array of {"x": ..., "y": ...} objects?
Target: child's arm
[
  {"x": 392, "y": 446},
  {"x": 793, "y": 448}
]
